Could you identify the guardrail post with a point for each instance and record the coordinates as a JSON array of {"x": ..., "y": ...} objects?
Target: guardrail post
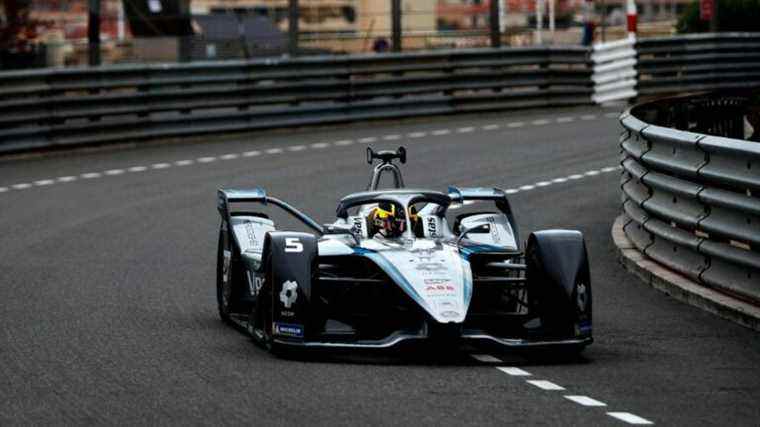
[
  {"x": 293, "y": 27},
  {"x": 396, "y": 25},
  {"x": 495, "y": 24}
]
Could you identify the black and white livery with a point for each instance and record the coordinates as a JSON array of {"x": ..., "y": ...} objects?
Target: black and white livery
[{"x": 392, "y": 269}]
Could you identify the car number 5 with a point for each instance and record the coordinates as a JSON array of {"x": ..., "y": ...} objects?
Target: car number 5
[{"x": 292, "y": 244}]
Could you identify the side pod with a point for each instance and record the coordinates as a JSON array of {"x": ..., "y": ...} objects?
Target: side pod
[
  {"x": 291, "y": 265},
  {"x": 559, "y": 281}
]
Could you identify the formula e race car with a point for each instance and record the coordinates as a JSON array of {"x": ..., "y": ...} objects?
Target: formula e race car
[{"x": 391, "y": 270}]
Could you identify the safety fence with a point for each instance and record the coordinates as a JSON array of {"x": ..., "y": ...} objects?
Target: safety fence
[
  {"x": 614, "y": 72},
  {"x": 69, "y": 107},
  {"x": 692, "y": 201}
]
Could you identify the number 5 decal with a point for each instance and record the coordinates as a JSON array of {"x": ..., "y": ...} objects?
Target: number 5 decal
[{"x": 292, "y": 244}]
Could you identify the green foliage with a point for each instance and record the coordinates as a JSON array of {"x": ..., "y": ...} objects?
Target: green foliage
[{"x": 733, "y": 15}]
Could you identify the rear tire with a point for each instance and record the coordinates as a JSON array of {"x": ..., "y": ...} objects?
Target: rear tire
[{"x": 224, "y": 276}]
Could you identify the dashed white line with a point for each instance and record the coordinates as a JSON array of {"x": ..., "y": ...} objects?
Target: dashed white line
[
  {"x": 274, "y": 151},
  {"x": 585, "y": 400},
  {"x": 540, "y": 122},
  {"x": 44, "y": 182},
  {"x": 515, "y": 372},
  {"x": 559, "y": 180},
  {"x": 440, "y": 132},
  {"x": 167, "y": 165},
  {"x": 252, "y": 153},
  {"x": 66, "y": 178},
  {"x": 610, "y": 169},
  {"x": 21, "y": 186},
  {"x": 565, "y": 119},
  {"x": 393, "y": 137},
  {"x": 543, "y": 183},
  {"x": 630, "y": 418},
  {"x": 591, "y": 173},
  {"x": 491, "y": 127},
  {"x": 344, "y": 142},
  {"x": 515, "y": 124},
  {"x": 297, "y": 148},
  {"x": 511, "y": 191},
  {"x": 184, "y": 162},
  {"x": 3, "y": 189},
  {"x": 230, "y": 156},
  {"x": 416, "y": 134},
  {"x": 367, "y": 139},
  {"x": 575, "y": 176},
  {"x": 466, "y": 129},
  {"x": 545, "y": 385},
  {"x": 485, "y": 358},
  {"x": 588, "y": 117},
  {"x": 320, "y": 145},
  {"x": 90, "y": 175},
  {"x": 527, "y": 187},
  {"x": 114, "y": 172}
]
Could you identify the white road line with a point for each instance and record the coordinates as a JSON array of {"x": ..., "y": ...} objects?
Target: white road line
[
  {"x": 515, "y": 372},
  {"x": 559, "y": 180},
  {"x": 540, "y": 122},
  {"x": 230, "y": 156},
  {"x": 527, "y": 187},
  {"x": 591, "y": 173},
  {"x": 44, "y": 182},
  {"x": 393, "y": 137},
  {"x": 565, "y": 119},
  {"x": 167, "y": 165},
  {"x": 440, "y": 132},
  {"x": 490, "y": 127},
  {"x": 344, "y": 142},
  {"x": 545, "y": 385},
  {"x": 90, "y": 175},
  {"x": 112, "y": 172},
  {"x": 466, "y": 129},
  {"x": 610, "y": 169},
  {"x": 3, "y": 189},
  {"x": 252, "y": 153},
  {"x": 630, "y": 418},
  {"x": 297, "y": 148},
  {"x": 273, "y": 151},
  {"x": 21, "y": 186},
  {"x": 612, "y": 115},
  {"x": 320, "y": 145},
  {"x": 137, "y": 169},
  {"x": 576, "y": 176},
  {"x": 416, "y": 134},
  {"x": 366, "y": 139},
  {"x": 511, "y": 191},
  {"x": 588, "y": 117},
  {"x": 184, "y": 162},
  {"x": 543, "y": 183},
  {"x": 485, "y": 358},
  {"x": 585, "y": 400},
  {"x": 515, "y": 124}
]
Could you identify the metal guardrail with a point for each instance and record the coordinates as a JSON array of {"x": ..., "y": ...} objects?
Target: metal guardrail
[
  {"x": 692, "y": 200},
  {"x": 614, "y": 73},
  {"x": 698, "y": 62},
  {"x": 68, "y": 107}
]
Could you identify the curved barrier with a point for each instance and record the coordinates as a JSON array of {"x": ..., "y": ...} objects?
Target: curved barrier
[
  {"x": 691, "y": 200},
  {"x": 65, "y": 107}
]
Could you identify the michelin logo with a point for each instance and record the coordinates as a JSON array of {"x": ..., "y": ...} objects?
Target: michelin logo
[
  {"x": 288, "y": 330},
  {"x": 289, "y": 293}
]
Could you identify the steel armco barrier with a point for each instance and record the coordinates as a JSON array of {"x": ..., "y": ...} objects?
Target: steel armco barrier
[
  {"x": 692, "y": 201},
  {"x": 697, "y": 62},
  {"x": 68, "y": 107},
  {"x": 614, "y": 73}
]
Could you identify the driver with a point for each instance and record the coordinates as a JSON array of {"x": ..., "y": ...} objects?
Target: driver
[{"x": 387, "y": 221}]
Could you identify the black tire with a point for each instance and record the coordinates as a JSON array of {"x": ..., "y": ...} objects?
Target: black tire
[
  {"x": 261, "y": 318},
  {"x": 224, "y": 277}
]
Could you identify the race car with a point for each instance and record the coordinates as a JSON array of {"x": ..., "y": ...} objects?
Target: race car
[{"x": 391, "y": 270}]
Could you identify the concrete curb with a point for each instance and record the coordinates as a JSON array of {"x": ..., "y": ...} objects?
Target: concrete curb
[{"x": 679, "y": 287}]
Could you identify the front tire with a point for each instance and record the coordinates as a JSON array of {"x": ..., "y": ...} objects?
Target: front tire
[{"x": 224, "y": 276}]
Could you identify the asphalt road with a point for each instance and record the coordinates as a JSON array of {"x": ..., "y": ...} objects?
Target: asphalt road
[{"x": 107, "y": 269}]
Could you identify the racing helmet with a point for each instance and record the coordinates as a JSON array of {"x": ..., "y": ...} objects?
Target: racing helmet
[{"x": 387, "y": 220}]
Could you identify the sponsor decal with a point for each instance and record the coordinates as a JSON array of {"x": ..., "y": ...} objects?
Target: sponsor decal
[
  {"x": 437, "y": 281},
  {"x": 293, "y": 244},
  {"x": 449, "y": 314},
  {"x": 251, "y": 234},
  {"x": 288, "y": 329},
  {"x": 432, "y": 227},
  {"x": 581, "y": 297},
  {"x": 431, "y": 267},
  {"x": 255, "y": 283},
  {"x": 289, "y": 293},
  {"x": 358, "y": 226}
]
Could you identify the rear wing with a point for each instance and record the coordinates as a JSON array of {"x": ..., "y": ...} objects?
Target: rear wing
[
  {"x": 226, "y": 197},
  {"x": 484, "y": 194}
]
